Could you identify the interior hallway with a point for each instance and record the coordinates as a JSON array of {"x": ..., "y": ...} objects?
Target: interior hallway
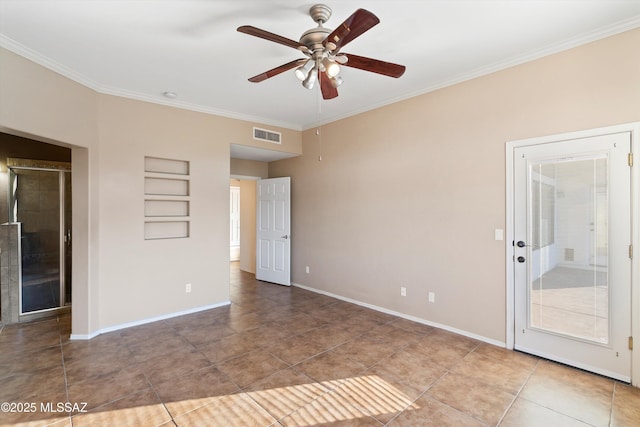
[{"x": 286, "y": 356}]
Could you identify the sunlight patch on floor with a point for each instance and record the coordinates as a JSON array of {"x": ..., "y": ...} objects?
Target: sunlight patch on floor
[
  {"x": 304, "y": 404},
  {"x": 349, "y": 398}
]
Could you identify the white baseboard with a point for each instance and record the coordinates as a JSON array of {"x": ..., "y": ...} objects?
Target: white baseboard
[
  {"x": 79, "y": 337},
  {"x": 405, "y": 316},
  {"x": 298, "y": 285}
]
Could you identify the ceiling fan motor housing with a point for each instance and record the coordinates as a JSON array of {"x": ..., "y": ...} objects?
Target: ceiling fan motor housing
[
  {"x": 320, "y": 13},
  {"x": 314, "y": 37}
]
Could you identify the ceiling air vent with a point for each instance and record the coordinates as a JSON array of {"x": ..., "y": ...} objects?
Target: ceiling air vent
[{"x": 267, "y": 135}]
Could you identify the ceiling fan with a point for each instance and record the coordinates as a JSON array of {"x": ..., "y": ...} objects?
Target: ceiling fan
[{"x": 321, "y": 46}]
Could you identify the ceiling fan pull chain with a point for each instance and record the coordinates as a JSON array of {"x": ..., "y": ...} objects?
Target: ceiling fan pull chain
[{"x": 318, "y": 113}]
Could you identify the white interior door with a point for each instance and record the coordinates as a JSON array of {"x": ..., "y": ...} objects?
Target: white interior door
[
  {"x": 572, "y": 269},
  {"x": 273, "y": 231}
]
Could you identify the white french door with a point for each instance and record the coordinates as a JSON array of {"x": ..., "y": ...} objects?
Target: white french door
[
  {"x": 273, "y": 231},
  {"x": 571, "y": 260}
]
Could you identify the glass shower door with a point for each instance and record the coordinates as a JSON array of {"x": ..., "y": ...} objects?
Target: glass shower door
[{"x": 38, "y": 203}]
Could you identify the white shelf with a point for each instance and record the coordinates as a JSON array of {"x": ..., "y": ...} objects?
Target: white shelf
[{"x": 166, "y": 201}]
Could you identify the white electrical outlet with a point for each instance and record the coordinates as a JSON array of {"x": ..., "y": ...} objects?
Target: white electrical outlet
[
  {"x": 187, "y": 288},
  {"x": 403, "y": 291},
  {"x": 432, "y": 297},
  {"x": 306, "y": 269}
]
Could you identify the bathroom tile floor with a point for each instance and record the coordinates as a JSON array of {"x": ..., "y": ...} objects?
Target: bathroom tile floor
[{"x": 280, "y": 356}]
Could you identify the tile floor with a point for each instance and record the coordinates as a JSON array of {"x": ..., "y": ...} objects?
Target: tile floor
[{"x": 284, "y": 356}]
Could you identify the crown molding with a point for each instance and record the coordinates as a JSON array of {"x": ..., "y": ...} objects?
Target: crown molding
[
  {"x": 601, "y": 33},
  {"x": 56, "y": 67}
]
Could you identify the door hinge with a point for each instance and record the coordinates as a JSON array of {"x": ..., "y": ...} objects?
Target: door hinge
[
  {"x": 630, "y": 159},
  {"x": 630, "y": 251},
  {"x": 630, "y": 343}
]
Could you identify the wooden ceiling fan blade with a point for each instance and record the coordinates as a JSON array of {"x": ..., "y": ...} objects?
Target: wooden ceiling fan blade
[
  {"x": 374, "y": 65},
  {"x": 359, "y": 22},
  {"x": 257, "y": 32},
  {"x": 275, "y": 71},
  {"x": 328, "y": 91}
]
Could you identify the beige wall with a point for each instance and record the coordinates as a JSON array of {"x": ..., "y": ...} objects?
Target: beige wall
[
  {"x": 410, "y": 194},
  {"x": 45, "y": 104},
  {"x": 147, "y": 278},
  {"x": 248, "y": 225},
  {"x": 252, "y": 168},
  {"x": 118, "y": 277}
]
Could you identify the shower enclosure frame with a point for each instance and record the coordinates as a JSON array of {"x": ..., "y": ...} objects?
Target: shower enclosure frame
[{"x": 63, "y": 169}]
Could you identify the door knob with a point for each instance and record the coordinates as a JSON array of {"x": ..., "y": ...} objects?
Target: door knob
[
  {"x": 284, "y": 237},
  {"x": 521, "y": 244},
  {"x": 521, "y": 259}
]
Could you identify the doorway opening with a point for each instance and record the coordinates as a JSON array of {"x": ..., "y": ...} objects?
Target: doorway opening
[
  {"x": 242, "y": 223},
  {"x": 248, "y": 166}
]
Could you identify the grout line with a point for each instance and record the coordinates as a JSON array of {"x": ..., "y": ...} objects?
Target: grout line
[
  {"x": 515, "y": 397},
  {"x": 508, "y": 408},
  {"x": 613, "y": 400},
  {"x": 159, "y": 399},
  {"x": 64, "y": 366},
  {"x": 436, "y": 382}
]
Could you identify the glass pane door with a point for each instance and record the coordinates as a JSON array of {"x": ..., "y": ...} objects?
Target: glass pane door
[
  {"x": 572, "y": 271},
  {"x": 568, "y": 281}
]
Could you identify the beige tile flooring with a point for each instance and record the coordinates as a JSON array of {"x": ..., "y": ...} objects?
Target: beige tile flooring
[{"x": 285, "y": 356}]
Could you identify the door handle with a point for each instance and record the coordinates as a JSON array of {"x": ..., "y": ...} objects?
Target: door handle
[
  {"x": 284, "y": 237},
  {"x": 522, "y": 244},
  {"x": 521, "y": 259}
]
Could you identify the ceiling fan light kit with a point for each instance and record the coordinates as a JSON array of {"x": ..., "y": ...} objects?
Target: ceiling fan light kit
[
  {"x": 321, "y": 46},
  {"x": 303, "y": 70}
]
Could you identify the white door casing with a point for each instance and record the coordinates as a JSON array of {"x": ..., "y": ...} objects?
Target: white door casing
[
  {"x": 234, "y": 224},
  {"x": 607, "y": 351},
  {"x": 273, "y": 230}
]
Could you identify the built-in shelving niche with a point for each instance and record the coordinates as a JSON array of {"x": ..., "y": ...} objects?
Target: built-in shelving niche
[{"x": 166, "y": 198}]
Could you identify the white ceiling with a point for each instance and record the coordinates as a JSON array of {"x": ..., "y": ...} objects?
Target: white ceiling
[
  {"x": 260, "y": 154},
  {"x": 142, "y": 48}
]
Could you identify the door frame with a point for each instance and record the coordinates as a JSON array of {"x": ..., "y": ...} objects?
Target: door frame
[
  {"x": 634, "y": 129},
  {"x": 236, "y": 189}
]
